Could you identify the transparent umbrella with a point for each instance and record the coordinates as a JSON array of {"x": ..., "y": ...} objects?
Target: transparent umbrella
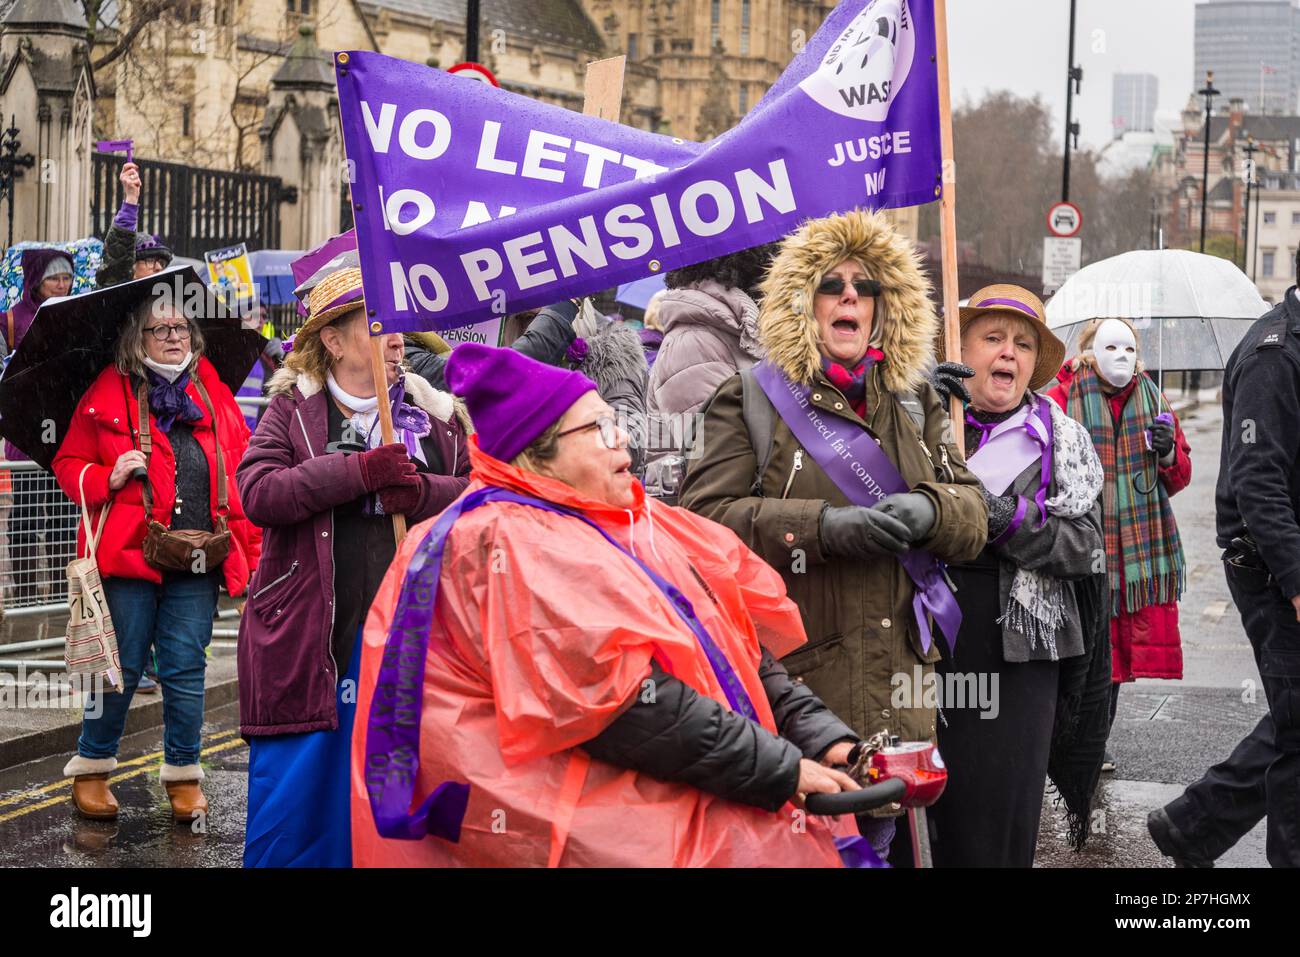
[{"x": 1190, "y": 309}]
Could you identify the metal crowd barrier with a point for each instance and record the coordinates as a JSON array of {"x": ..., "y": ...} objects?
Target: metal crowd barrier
[{"x": 38, "y": 536}]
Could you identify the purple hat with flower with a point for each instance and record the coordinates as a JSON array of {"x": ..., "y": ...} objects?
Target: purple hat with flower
[{"x": 511, "y": 398}]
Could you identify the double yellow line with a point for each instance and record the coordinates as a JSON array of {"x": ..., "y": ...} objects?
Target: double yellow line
[{"x": 137, "y": 766}]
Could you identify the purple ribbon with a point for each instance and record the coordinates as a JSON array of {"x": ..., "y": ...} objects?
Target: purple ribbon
[
  {"x": 880, "y": 478},
  {"x": 393, "y": 728},
  {"x": 1014, "y": 303},
  {"x": 412, "y": 420}
]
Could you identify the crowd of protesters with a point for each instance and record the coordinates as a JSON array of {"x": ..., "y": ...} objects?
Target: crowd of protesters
[{"x": 629, "y": 650}]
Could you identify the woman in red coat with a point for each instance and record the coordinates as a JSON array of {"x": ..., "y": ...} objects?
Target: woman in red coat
[
  {"x": 190, "y": 412},
  {"x": 1146, "y": 459}
]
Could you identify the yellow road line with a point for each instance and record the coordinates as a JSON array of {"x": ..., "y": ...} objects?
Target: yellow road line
[
  {"x": 67, "y": 782},
  {"x": 135, "y": 772}
]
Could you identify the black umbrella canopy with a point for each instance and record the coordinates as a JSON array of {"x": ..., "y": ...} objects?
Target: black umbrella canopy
[{"x": 73, "y": 339}]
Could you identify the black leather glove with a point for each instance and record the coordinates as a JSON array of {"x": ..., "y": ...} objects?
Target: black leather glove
[
  {"x": 946, "y": 380},
  {"x": 1162, "y": 438},
  {"x": 856, "y": 532},
  {"x": 913, "y": 509}
]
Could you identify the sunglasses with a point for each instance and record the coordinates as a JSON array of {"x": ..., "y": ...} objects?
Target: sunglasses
[
  {"x": 607, "y": 427},
  {"x": 834, "y": 286}
]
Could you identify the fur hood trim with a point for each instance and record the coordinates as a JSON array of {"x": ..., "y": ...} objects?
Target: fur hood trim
[
  {"x": 786, "y": 327},
  {"x": 729, "y": 311},
  {"x": 614, "y": 354},
  {"x": 437, "y": 403}
]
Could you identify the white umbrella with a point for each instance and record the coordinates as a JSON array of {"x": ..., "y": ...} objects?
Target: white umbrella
[{"x": 1195, "y": 307}]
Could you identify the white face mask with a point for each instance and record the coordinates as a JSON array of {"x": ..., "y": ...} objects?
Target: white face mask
[
  {"x": 1116, "y": 352},
  {"x": 170, "y": 372}
]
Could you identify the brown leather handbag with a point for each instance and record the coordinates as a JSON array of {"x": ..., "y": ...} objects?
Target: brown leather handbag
[{"x": 191, "y": 549}]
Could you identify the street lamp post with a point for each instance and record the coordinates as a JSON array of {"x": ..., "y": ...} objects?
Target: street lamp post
[
  {"x": 1209, "y": 92},
  {"x": 471, "y": 30},
  {"x": 1254, "y": 262},
  {"x": 1073, "y": 79},
  {"x": 1250, "y": 150}
]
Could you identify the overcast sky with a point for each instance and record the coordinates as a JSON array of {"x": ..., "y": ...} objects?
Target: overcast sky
[{"x": 1021, "y": 45}]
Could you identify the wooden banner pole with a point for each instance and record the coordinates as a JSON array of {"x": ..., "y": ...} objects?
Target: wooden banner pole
[
  {"x": 948, "y": 217},
  {"x": 603, "y": 88},
  {"x": 377, "y": 364},
  {"x": 385, "y": 410}
]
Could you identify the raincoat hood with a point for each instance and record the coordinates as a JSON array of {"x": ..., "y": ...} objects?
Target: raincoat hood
[
  {"x": 727, "y": 310},
  {"x": 34, "y": 263},
  {"x": 786, "y": 326}
]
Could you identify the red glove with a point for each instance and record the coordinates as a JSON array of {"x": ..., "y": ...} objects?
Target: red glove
[
  {"x": 386, "y": 466},
  {"x": 400, "y": 499}
]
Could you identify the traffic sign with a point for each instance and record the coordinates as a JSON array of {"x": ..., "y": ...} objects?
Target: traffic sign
[
  {"x": 1064, "y": 219},
  {"x": 475, "y": 71},
  {"x": 1061, "y": 259}
]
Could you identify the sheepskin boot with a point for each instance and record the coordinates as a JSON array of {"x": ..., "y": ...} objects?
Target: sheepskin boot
[
  {"x": 183, "y": 791},
  {"x": 90, "y": 791}
]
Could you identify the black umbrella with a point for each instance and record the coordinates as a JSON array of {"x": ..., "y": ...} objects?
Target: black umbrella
[{"x": 72, "y": 340}]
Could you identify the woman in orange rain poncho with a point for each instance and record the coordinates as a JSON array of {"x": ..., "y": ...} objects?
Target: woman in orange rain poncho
[{"x": 534, "y": 682}]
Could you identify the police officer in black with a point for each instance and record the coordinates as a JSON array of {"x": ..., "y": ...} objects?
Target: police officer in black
[{"x": 1257, "y": 502}]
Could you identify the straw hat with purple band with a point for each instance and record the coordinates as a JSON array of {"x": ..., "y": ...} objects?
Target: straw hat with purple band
[
  {"x": 337, "y": 293},
  {"x": 1006, "y": 299}
]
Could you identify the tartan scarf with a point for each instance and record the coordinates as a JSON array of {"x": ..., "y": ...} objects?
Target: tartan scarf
[
  {"x": 1144, "y": 554},
  {"x": 852, "y": 383}
]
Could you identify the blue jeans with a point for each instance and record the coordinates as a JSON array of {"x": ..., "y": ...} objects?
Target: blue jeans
[{"x": 174, "y": 618}]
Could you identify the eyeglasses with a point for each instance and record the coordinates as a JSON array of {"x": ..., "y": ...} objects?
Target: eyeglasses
[
  {"x": 834, "y": 286},
  {"x": 608, "y": 431},
  {"x": 163, "y": 332}
]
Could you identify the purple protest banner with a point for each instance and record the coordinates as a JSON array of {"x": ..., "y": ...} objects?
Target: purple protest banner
[{"x": 471, "y": 202}]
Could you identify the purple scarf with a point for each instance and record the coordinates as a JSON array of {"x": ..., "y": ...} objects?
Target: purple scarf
[{"x": 168, "y": 401}]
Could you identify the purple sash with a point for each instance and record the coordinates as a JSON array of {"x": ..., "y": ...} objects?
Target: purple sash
[
  {"x": 1007, "y": 449},
  {"x": 863, "y": 472},
  {"x": 393, "y": 731}
]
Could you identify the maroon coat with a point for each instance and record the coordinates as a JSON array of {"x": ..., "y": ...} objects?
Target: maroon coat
[{"x": 290, "y": 486}]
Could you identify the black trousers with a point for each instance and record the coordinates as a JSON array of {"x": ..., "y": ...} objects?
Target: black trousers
[
  {"x": 1262, "y": 775},
  {"x": 997, "y": 766}
]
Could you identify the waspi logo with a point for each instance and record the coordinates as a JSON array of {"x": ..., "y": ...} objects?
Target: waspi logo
[{"x": 865, "y": 68}]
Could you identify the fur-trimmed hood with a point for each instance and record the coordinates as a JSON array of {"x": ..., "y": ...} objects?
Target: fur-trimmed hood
[
  {"x": 614, "y": 357},
  {"x": 785, "y": 320},
  {"x": 441, "y": 405}
]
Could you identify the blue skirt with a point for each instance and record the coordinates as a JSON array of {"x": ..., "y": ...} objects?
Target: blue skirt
[{"x": 299, "y": 790}]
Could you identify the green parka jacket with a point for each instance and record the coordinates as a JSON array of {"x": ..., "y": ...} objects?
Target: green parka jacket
[{"x": 863, "y": 640}]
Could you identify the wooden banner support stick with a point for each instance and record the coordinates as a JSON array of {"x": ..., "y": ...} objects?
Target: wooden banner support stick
[
  {"x": 603, "y": 88},
  {"x": 948, "y": 218},
  {"x": 378, "y": 371}
]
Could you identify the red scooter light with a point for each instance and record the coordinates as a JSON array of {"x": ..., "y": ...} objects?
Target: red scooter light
[{"x": 919, "y": 765}]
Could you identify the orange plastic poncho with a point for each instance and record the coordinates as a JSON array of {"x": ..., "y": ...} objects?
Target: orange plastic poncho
[{"x": 543, "y": 632}]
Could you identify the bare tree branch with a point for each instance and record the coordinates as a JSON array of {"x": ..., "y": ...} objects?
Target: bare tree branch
[{"x": 147, "y": 12}]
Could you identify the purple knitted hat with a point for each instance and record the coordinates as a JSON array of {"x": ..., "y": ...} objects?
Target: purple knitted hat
[{"x": 512, "y": 399}]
